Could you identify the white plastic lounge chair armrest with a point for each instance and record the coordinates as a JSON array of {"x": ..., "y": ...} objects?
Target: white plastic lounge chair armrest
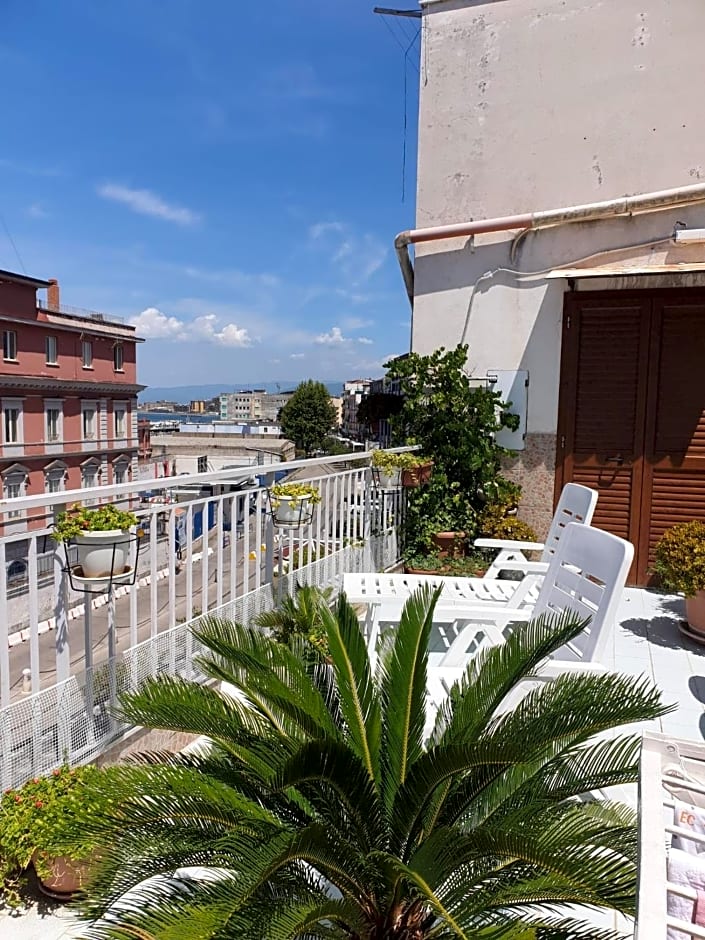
[
  {"x": 488, "y": 625},
  {"x": 496, "y": 614},
  {"x": 508, "y": 544},
  {"x": 528, "y": 567},
  {"x": 556, "y": 667}
]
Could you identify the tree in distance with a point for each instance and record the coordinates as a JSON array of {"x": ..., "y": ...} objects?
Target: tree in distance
[{"x": 308, "y": 416}]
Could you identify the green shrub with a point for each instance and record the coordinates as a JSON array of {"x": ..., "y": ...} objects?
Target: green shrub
[
  {"x": 496, "y": 524},
  {"x": 680, "y": 558},
  {"x": 44, "y": 819}
]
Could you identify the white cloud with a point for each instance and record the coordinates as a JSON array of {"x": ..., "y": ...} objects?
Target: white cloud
[
  {"x": 355, "y": 256},
  {"x": 345, "y": 250},
  {"x": 36, "y": 211},
  {"x": 356, "y": 323},
  {"x": 145, "y": 202},
  {"x": 325, "y": 228},
  {"x": 334, "y": 338},
  {"x": 206, "y": 327},
  {"x": 153, "y": 324},
  {"x": 365, "y": 340},
  {"x": 297, "y": 356}
]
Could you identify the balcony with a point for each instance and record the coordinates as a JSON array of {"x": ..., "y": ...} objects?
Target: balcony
[{"x": 208, "y": 546}]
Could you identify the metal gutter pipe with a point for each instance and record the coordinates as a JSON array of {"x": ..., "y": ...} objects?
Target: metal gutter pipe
[{"x": 531, "y": 221}]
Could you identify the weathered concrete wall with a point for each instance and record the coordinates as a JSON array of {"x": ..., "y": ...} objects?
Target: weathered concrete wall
[{"x": 538, "y": 104}]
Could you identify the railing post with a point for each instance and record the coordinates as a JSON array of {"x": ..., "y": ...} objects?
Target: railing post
[
  {"x": 367, "y": 529},
  {"x": 269, "y": 542}
]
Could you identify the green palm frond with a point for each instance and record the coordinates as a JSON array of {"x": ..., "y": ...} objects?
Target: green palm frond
[
  {"x": 402, "y": 683},
  {"x": 319, "y": 813},
  {"x": 358, "y": 701}
]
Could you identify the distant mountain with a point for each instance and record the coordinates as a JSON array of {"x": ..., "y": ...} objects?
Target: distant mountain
[{"x": 187, "y": 393}]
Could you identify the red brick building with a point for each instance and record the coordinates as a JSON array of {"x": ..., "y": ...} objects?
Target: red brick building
[{"x": 68, "y": 396}]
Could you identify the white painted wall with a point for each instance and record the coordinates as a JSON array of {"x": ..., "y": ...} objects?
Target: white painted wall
[{"x": 538, "y": 104}]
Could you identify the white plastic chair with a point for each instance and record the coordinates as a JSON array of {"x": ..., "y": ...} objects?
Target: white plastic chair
[
  {"x": 586, "y": 576},
  {"x": 385, "y": 594},
  {"x": 577, "y": 504}
]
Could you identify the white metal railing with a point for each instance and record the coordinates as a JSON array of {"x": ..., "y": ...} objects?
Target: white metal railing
[{"x": 66, "y": 654}]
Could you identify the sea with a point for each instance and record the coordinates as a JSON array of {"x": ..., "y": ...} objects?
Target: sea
[{"x": 181, "y": 417}]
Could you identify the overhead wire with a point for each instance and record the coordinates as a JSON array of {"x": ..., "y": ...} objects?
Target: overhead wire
[{"x": 12, "y": 242}]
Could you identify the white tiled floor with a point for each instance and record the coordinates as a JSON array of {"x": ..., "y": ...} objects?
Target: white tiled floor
[{"x": 646, "y": 641}]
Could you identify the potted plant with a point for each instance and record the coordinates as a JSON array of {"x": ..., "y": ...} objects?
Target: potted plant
[
  {"x": 497, "y": 521},
  {"x": 467, "y": 566},
  {"x": 406, "y": 469},
  {"x": 43, "y": 823},
  {"x": 416, "y": 470},
  {"x": 679, "y": 562},
  {"x": 292, "y": 503},
  {"x": 386, "y": 469},
  {"x": 101, "y": 537}
]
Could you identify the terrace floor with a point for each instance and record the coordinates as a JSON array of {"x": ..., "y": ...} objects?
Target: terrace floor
[{"x": 646, "y": 641}]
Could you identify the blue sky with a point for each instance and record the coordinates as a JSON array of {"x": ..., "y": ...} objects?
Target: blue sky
[{"x": 226, "y": 175}]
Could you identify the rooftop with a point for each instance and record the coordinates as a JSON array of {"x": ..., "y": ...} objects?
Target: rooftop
[{"x": 645, "y": 641}]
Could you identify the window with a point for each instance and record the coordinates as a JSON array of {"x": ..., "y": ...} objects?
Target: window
[
  {"x": 11, "y": 417},
  {"x": 9, "y": 345},
  {"x": 118, "y": 357},
  {"x": 53, "y": 416},
  {"x": 120, "y": 473},
  {"x": 202, "y": 465},
  {"x": 54, "y": 484},
  {"x": 13, "y": 491},
  {"x": 87, "y": 354},
  {"x": 55, "y": 478},
  {"x": 119, "y": 415},
  {"x": 89, "y": 424},
  {"x": 89, "y": 477},
  {"x": 52, "y": 351},
  {"x": 14, "y": 485}
]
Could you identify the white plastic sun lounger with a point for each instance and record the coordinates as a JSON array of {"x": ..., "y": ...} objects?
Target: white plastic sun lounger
[
  {"x": 576, "y": 504},
  {"x": 384, "y": 595},
  {"x": 586, "y": 576}
]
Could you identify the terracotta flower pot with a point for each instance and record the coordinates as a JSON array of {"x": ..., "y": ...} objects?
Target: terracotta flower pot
[
  {"x": 416, "y": 476},
  {"x": 65, "y": 877},
  {"x": 695, "y": 615},
  {"x": 449, "y": 544}
]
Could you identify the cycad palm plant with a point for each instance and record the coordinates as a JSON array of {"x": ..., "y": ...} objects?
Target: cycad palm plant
[
  {"x": 299, "y": 615},
  {"x": 320, "y": 812}
]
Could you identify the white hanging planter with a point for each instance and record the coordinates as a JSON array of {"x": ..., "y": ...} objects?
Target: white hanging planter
[
  {"x": 102, "y": 555},
  {"x": 293, "y": 510},
  {"x": 388, "y": 480}
]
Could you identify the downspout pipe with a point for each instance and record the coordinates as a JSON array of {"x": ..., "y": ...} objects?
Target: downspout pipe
[{"x": 531, "y": 221}]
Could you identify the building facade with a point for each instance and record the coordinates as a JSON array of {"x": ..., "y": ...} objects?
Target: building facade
[
  {"x": 252, "y": 405},
  {"x": 68, "y": 384},
  {"x": 566, "y": 156},
  {"x": 353, "y": 393}
]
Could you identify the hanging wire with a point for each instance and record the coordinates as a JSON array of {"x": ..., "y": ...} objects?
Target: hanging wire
[
  {"x": 12, "y": 242},
  {"x": 406, "y": 43},
  {"x": 406, "y": 112}
]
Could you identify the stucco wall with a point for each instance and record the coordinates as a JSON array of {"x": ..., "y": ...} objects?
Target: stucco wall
[{"x": 538, "y": 104}]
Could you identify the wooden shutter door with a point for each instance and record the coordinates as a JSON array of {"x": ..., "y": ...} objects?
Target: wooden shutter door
[
  {"x": 603, "y": 402},
  {"x": 674, "y": 469}
]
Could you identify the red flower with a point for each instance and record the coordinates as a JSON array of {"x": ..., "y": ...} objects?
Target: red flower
[
  {"x": 39, "y": 804},
  {"x": 56, "y": 773},
  {"x": 35, "y": 780},
  {"x": 9, "y": 790},
  {"x": 18, "y": 799}
]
